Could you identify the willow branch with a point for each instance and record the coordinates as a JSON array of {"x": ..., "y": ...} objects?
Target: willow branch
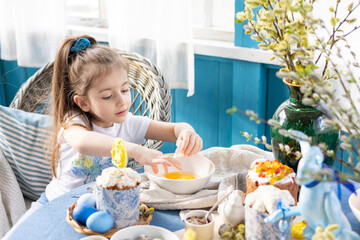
[
  {"x": 347, "y": 165},
  {"x": 356, "y": 27}
]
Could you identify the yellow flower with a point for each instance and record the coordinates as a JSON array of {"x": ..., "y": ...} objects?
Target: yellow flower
[
  {"x": 334, "y": 20},
  {"x": 285, "y": 3},
  {"x": 299, "y": 68},
  {"x": 273, "y": 45},
  {"x": 282, "y": 45},
  {"x": 241, "y": 16},
  {"x": 307, "y": 7},
  {"x": 278, "y": 11},
  {"x": 249, "y": 13},
  {"x": 88, "y": 163},
  {"x": 252, "y": 3}
]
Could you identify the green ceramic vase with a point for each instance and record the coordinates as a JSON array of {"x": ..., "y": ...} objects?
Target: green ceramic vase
[{"x": 292, "y": 114}]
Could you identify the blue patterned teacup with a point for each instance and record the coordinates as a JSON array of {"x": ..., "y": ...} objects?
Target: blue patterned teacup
[{"x": 122, "y": 205}]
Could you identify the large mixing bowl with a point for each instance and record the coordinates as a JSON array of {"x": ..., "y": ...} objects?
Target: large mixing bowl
[{"x": 199, "y": 165}]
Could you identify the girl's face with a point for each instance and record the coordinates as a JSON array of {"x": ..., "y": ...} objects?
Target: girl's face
[{"x": 108, "y": 100}]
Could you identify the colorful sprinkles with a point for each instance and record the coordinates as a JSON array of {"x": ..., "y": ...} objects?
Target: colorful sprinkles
[
  {"x": 119, "y": 178},
  {"x": 273, "y": 169}
]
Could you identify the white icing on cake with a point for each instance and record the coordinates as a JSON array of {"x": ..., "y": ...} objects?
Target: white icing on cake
[
  {"x": 265, "y": 199},
  {"x": 255, "y": 178},
  {"x": 122, "y": 178}
]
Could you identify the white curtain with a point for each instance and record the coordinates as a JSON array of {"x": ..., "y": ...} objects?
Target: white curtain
[
  {"x": 160, "y": 30},
  {"x": 31, "y": 30}
]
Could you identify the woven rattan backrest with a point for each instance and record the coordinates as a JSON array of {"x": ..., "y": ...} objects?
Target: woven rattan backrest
[{"x": 151, "y": 95}]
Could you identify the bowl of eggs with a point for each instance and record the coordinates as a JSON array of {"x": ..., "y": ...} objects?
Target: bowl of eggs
[
  {"x": 354, "y": 202},
  {"x": 197, "y": 171}
]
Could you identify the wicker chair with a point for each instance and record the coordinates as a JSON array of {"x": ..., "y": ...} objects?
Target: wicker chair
[{"x": 150, "y": 93}]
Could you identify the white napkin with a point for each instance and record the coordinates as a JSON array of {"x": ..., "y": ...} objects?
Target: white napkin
[{"x": 228, "y": 162}]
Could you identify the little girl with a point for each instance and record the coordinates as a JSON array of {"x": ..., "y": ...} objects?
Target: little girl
[{"x": 90, "y": 104}]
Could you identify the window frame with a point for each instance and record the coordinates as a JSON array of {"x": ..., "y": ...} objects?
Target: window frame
[
  {"x": 207, "y": 32},
  {"x": 221, "y": 44}
]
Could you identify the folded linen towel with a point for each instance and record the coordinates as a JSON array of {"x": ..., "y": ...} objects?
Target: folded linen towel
[{"x": 228, "y": 162}]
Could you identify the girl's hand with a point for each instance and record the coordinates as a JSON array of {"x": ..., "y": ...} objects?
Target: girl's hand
[
  {"x": 189, "y": 142},
  {"x": 154, "y": 158}
]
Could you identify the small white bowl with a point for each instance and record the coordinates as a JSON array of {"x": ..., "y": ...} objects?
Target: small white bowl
[
  {"x": 94, "y": 237},
  {"x": 204, "y": 231},
  {"x": 354, "y": 202},
  {"x": 199, "y": 165},
  {"x": 151, "y": 232}
]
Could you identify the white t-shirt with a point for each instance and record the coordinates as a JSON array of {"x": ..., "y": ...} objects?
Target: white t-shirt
[{"x": 75, "y": 169}]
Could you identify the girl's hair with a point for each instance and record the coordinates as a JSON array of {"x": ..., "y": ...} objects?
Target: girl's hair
[{"x": 74, "y": 74}]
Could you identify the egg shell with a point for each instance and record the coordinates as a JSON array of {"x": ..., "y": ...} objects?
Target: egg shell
[
  {"x": 82, "y": 211},
  {"x": 87, "y": 198},
  {"x": 100, "y": 222}
]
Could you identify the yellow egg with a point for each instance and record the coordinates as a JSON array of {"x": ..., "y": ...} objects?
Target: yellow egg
[
  {"x": 180, "y": 175},
  {"x": 298, "y": 230},
  {"x": 172, "y": 175},
  {"x": 119, "y": 154},
  {"x": 187, "y": 177},
  {"x": 190, "y": 234}
]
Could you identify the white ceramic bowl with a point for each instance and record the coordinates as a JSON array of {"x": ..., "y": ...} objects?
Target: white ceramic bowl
[
  {"x": 199, "y": 165},
  {"x": 94, "y": 237},
  {"x": 203, "y": 232},
  {"x": 354, "y": 202},
  {"x": 134, "y": 232}
]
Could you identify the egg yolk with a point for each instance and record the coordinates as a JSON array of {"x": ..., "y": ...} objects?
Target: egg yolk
[{"x": 180, "y": 175}]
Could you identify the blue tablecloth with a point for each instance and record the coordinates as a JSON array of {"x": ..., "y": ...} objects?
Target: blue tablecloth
[
  {"x": 49, "y": 222},
  {"x": 345, "y": 194}
]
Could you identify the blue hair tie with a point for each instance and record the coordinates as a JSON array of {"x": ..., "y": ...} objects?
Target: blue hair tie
[{"x": 80, "y": 44}]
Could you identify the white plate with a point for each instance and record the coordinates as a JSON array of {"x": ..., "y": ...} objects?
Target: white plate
[
  {"x": 133, "y": 232},
  {"x": 354, "y": 202}
]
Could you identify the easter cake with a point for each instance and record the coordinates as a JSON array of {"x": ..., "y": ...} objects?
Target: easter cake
[
  {"x": 266, "y": 172},
  {"x": 118, "y": 192}
]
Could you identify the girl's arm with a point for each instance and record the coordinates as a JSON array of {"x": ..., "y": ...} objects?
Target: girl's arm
[
  {"x": 97, "y": 144},
  {"x": 187, "y": 140}
]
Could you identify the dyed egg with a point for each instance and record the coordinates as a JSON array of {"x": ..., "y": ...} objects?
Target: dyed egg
[
  {"x": 100, "y": 222},
  {"x": 87, "y": 198},
  {"x": 82, "y": 212}
]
